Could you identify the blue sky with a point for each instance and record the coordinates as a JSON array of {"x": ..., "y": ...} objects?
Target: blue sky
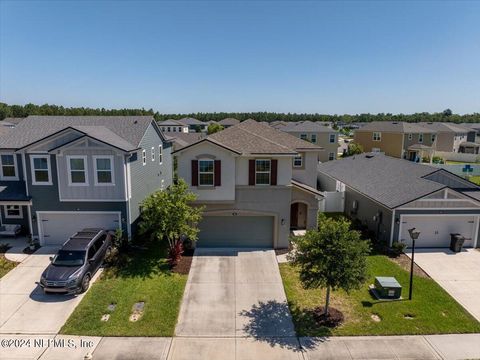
[{"x": 286, "y": 56}]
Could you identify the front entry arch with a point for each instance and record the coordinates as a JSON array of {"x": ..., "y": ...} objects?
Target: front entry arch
[{"x": 298, "y": 215}]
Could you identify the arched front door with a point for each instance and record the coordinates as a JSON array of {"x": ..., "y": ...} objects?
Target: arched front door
[{"x": 298, "y": 216}]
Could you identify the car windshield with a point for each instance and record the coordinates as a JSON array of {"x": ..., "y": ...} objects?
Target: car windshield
[{"x": 69, "y": 258}]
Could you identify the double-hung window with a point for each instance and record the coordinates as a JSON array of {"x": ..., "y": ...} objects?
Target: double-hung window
[
  {"x": 298, "y": 161},
  {"x": 262, "y": 171},
  {"x": 303, "y": 136},
  {"x": 332, "y": 138},
  {"x": 206, "y": 172},
  {"x": 410, "y": 136},
  {"x": 377, "y": 136},
  {"x": 160, "y": 154},
  {"x": 13, "y": 212},
  {"x": 40, "y": 166},
  {"x": 314, "y": 138},
  {"x": 433, "y": 138},
  {"x": 77, "y": 170},
  {"x": 103, "y": 170},
  {"x": 8, "y": 167},
  {"x": 144, "y": 157},
  {"x": 420, "y": 138},
  {"x": 153, "y": 153},
  {"x": 331, "y": 156}
]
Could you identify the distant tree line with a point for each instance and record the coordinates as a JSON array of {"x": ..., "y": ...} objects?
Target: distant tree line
[{"x": 47, "y": 109}]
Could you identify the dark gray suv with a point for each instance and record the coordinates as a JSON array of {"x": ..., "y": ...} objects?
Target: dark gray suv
[{"x": 76, "y": 262}]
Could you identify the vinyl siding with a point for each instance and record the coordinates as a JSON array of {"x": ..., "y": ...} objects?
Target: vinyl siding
[{"x": 146, "y": 179}]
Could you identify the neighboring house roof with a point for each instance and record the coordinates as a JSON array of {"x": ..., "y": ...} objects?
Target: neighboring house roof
[
  {"x": 306, "y": 126},
  {"x": 13, "y": 120},
  {"x": 190, "y": 121},
  {"x": 387, "y": 180},
  {"x": 445, "y": 127},
  {"x": 470, "y": 144},
  {"x": 229, "y": 122},
  {"x": 184, "y": 139},
  {"x": 171, "y": 122},
  {"x": 419, "y": 147},
  {"x": 13, "y": 191},
  {"x": 395, "y": 126},
  {"x": 125, "y": 132},
  {"x": 305, "y": 187},
  {"x": 4, "y": 130},
  {"x": 251, "y": 137}
]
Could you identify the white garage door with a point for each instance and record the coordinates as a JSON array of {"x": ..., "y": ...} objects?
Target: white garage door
[
  {"x": 236, "y": 231},
  {"x": 435, "y": 230},
  {"x": 56, "y": 228}
]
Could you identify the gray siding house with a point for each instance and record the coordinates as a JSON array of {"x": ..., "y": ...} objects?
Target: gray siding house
[
  {"x": 69, "y": 173},
  {"x": 390, "y": 196}
]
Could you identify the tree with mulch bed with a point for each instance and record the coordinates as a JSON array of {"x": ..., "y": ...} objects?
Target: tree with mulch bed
[
  {"x": 332, "y": 257},
  {"x": 168, "y": 215}
]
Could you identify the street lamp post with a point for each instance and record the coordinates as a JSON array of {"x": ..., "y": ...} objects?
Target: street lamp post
[{"x": 414, "y": 233}]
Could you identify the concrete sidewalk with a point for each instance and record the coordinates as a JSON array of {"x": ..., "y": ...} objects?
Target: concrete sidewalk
[{"x": 446, "y": 347}]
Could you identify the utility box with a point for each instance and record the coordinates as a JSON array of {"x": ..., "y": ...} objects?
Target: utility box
[{"x": 387, "y": 287}]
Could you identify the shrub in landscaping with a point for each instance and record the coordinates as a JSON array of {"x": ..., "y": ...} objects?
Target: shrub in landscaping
[{"x": 397, "y": 248}]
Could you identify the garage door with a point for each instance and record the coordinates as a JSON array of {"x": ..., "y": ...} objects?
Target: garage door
[
  {"x": 236, "y": 231},
  {"x": 56, "y": 228},
  {"x": 435, "y": 230}
]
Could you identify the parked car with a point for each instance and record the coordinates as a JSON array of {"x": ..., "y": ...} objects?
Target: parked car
[{"x": 74, "y": 265}]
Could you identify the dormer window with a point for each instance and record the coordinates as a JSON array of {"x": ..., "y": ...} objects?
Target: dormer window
[{"x": 8, "y": 167}]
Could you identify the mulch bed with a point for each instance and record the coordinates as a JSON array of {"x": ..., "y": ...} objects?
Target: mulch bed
[
  {"x": 281, "y": 251},
  {"x": 335, "y": 317},
  {"x": 183, "y": 266},
  {"x": 404, "y": 261}
]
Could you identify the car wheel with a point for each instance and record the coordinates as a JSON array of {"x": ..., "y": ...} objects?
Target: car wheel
[{"x": 85, "y": 283}]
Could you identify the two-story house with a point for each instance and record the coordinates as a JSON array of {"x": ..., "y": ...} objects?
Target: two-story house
[
  {"x": 255, "y": 182},
  {"x": 59, "y": 174},
  {"x": 398, "y": 139},
  {"x": 449, "y": 136},
  {"x": 316, "y": 133},
  {"x": 174, "y": 126}
]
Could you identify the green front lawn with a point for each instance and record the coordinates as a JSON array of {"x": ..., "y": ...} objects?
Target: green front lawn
[
  {"x": 474, "y": 179},
  {"x": 432, "y": 310},
  {"x": 5, "y": 265},
  {"x": 146, "y": 278}
]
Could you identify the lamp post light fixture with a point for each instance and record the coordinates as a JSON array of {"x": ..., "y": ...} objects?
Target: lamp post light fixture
[{"x": 414, "y": 234}]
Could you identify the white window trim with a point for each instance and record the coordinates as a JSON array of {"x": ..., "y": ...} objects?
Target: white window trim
[
  {"x": 160, "y": 154},
  {"x": 144, "y": 157},
  {"x": 330, "y": 138},
  {"x": 304, "y": 137},
  {"x": 301, "y": 161},
  {"x": 95, "y": 170},
  {"x": 379, "y": 136},
  {"x": 14, "y": 165},
  {"x": 20, "y": 212},
  {"x": 332, "y": 157},
  {"x": 312, "y": 137},
  {"x": 69, "y": 169},
  {"x": 263, "y": 172},
  {"x": 152, "y": 153},
  {"x": 32, "y": 169},
  {"x": 206, "y": 172}
]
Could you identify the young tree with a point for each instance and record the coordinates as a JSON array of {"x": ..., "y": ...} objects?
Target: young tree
[
  {"x": 213, "y": 128},
  {"x": 354, "y": 149},
  {"x": 168, "y": 215},
  {"x": 332, "y": 257}
]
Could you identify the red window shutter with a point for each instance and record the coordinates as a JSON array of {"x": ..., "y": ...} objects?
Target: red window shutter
[
  {"x": 273, "y": 173},
  {"x": 194, "y": 172},
  {"x": 218, "y": 173},
  {"x": 251, "y": 172}
]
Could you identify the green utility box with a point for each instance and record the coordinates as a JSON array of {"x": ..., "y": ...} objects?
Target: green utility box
[{"x": 388, "y": 287}]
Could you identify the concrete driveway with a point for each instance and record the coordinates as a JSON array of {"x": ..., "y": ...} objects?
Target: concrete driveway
[
  {"x": 234, "y": 307},
  {"x": 24, "y": 309},
  {"x": 457, "y": 273}
]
